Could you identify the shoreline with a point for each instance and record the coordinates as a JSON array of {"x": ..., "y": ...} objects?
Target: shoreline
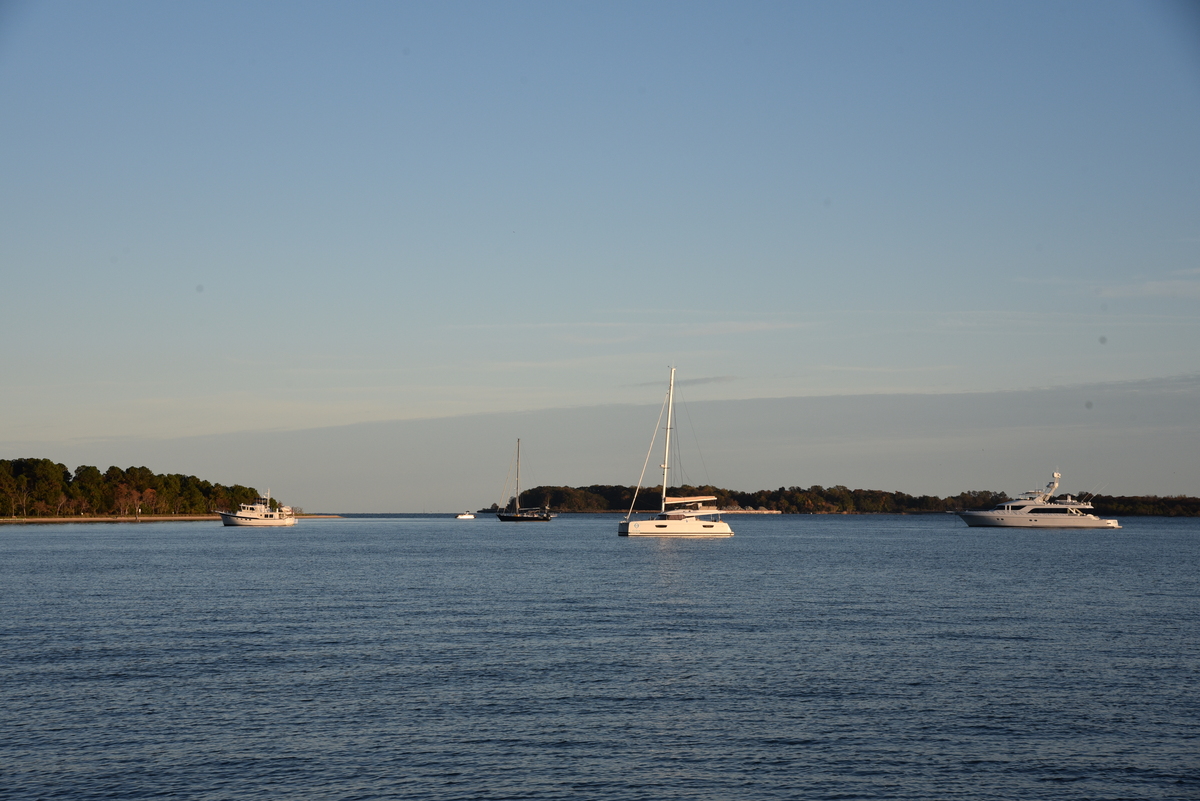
[{"x": 19, "y": 521}]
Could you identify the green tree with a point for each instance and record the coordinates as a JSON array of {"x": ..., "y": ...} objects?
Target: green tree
[
  {"x": 87, "y": 487},
  {"x": 8, "y": 489}
]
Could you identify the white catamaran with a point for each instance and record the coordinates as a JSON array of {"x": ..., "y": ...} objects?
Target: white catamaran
[{"x": 690, "y": 518}]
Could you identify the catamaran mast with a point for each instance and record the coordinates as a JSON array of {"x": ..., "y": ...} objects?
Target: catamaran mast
[
  {"x": 667, "y": 446},
  {"x": 517, "y": 502}
]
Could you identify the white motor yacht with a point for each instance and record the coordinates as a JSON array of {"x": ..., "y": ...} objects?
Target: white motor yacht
[
  {"x": 259, "y": 513},
  {"x": 1038, "y": 509}
]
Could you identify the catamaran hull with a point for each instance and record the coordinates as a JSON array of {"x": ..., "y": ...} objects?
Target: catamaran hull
[
  {"x": 524, "y": 518},
  {"x": 994, "y": 520},
  {"x": 673, "y": 528},
  {"x": 234, "y": 520}
]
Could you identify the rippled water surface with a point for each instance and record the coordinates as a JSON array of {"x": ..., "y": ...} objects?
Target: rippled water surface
[{"x": 807, "y": 657}]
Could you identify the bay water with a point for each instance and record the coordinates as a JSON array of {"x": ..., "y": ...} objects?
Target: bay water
[{"x": 814, "y": 657}]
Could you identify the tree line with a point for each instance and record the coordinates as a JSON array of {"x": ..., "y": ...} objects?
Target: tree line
[
  {"x": 829, "y": 500},
  {"x": 44, "y": 488},
  {"x": 788, "y": 500},
  {"x": 1135, "y": 505}
]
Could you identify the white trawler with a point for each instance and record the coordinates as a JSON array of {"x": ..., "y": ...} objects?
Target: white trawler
[
  {"x": 691, "y": 519},
  {"x": 259, "y": 513},
  {"x": 1035, "y": 509}
]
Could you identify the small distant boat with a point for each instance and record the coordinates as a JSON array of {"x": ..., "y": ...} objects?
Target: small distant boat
[
  {"x": 259, "y": 513},
  {"x": 1035, "y": 509},
  {"x": 691, "y": 519},
  {"x": 517, "y": 514},
  {"x": 465, "y": 516}
]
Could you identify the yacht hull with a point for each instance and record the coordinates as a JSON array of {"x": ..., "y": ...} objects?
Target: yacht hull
[
  {"x": 1000, "y": 520},
  {"x": 236, "y": 520},
  {"x": 689, "y": 527}
]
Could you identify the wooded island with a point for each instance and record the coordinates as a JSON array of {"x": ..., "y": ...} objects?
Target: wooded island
[
  {"x": 43, "y": 488},
  {"x": 830, "y": 500}
]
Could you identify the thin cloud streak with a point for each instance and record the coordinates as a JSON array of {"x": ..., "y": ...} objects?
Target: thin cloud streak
[
  {"x": 849, "y": 368},
  {"x": 1155, "y": 289},
  {"x": 689, "y": 382},
  {"x": 1138, "y": 437}
]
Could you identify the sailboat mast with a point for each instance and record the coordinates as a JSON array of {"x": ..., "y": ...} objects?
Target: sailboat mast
[
  {"x": 517, "y": 502},
  {"x": 667, "y": 446}
]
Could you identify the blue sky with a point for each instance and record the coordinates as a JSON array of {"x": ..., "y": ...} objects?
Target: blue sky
[{"x": 224, "y": 217}]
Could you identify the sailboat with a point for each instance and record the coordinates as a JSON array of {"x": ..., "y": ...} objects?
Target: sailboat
[
  {"x": 689, "y": 518},
  {"x": 517, "y": 514}
]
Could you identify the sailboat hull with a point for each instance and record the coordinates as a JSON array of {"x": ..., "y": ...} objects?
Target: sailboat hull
[
  {"x": 687, "y": 527},
  {"x": 524, "y": 517}
]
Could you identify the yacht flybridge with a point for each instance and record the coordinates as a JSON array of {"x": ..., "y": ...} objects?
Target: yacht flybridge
[
  {"x": 1038, "y": 509},
  {"x": 689, "y": 518}
]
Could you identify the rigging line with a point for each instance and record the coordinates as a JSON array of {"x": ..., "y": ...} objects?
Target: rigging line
[
  {"x": 507, "y": 476},
  {"x": 696, "y": 440},
  {"x": 648, "y": 452},
  {"x": 680, "y": 475}
]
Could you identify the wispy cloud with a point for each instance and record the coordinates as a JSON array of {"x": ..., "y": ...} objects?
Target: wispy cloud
[
  {"x": 690, "y": 382},
  {"x": 730, "y": 327},
  {"x": 850, "y": 368},
  {"x": 601, "y": 331},
  {"x": 1177, "y": 288},
  {"x": 717, "y": 379}
]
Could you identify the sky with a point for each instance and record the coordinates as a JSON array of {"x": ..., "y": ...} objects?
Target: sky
[{"x": 292, "y": 221}]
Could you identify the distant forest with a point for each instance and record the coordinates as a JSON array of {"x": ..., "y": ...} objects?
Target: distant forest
[
  {"x": 42, "y": 488},
  {"x": 830, "y": 500}
]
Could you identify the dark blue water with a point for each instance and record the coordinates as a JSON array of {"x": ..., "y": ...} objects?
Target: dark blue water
[{"x": 807, "y": 657}]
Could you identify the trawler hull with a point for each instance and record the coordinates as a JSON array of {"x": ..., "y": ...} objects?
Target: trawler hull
[{"x": 230, "y": 519}]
